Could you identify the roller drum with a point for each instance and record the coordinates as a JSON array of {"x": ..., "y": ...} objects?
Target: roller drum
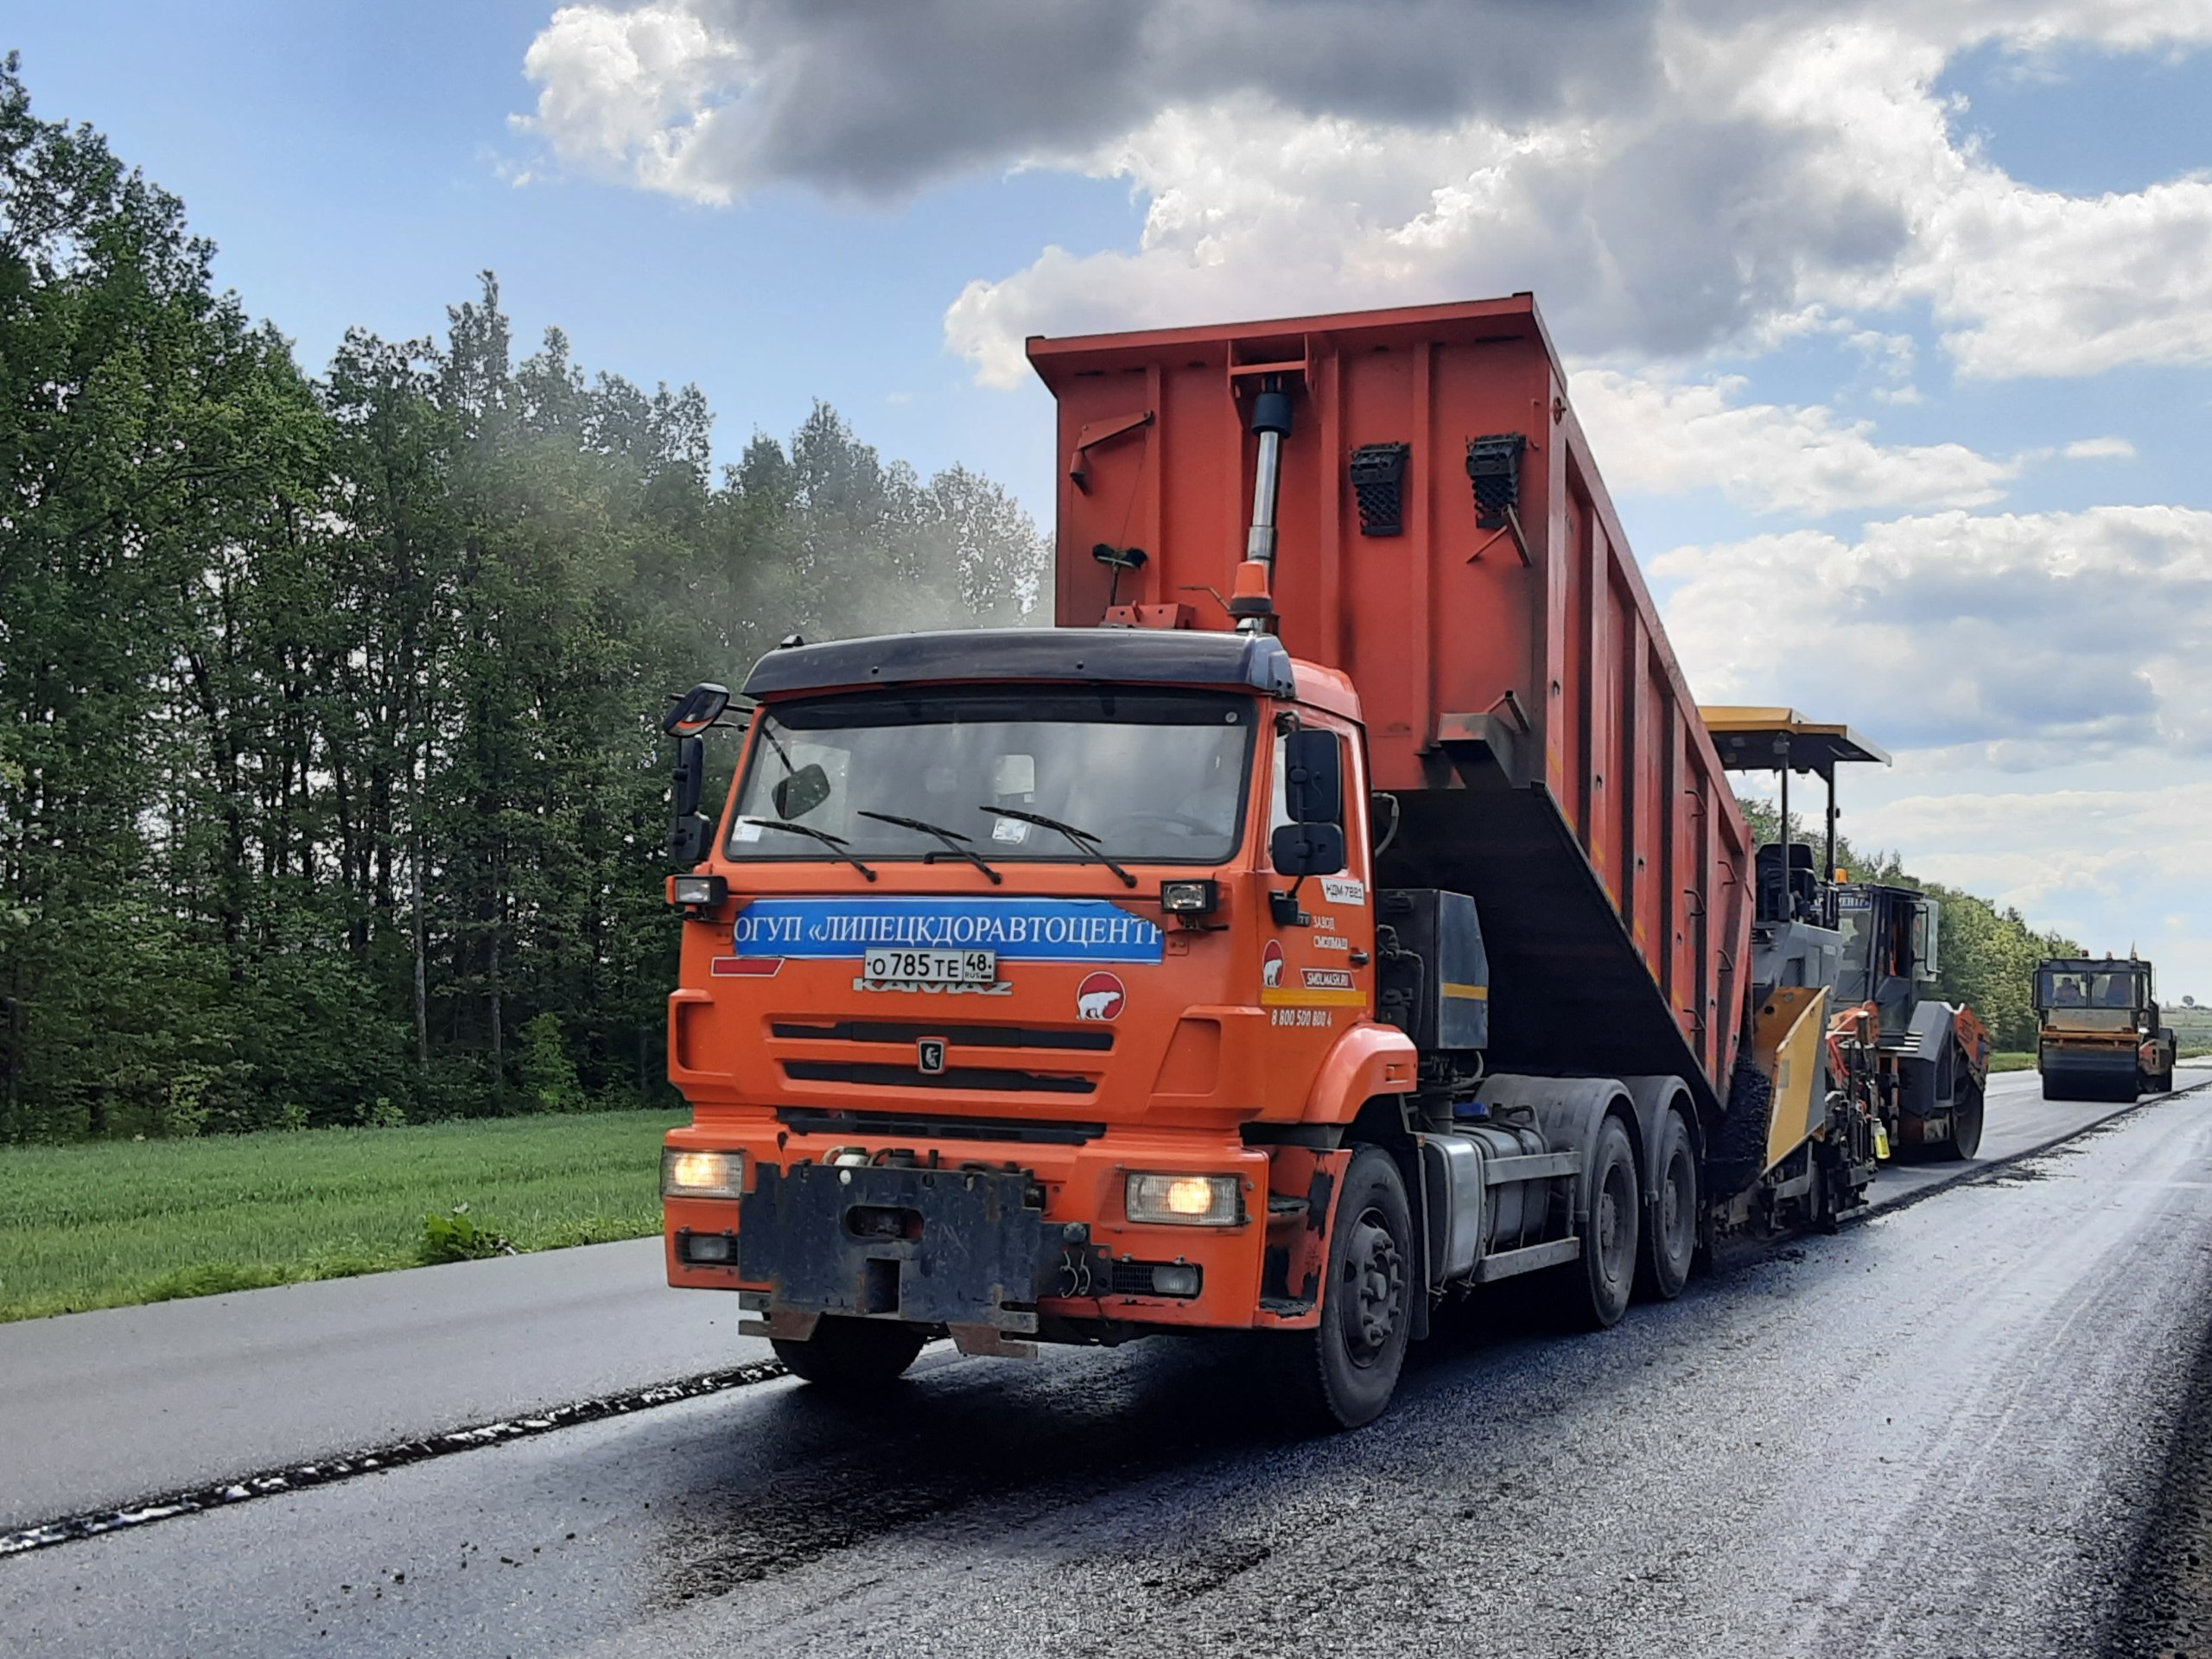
[{"x": 2090, "y": 1074}]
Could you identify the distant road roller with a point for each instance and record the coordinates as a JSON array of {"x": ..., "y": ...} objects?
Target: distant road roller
[{"x": 2101, "y": 1037}]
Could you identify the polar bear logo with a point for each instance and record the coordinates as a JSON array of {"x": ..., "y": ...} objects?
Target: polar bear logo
[
  {"x": 1271, "y": 965},
  {"x": 1100, "y": 997}
]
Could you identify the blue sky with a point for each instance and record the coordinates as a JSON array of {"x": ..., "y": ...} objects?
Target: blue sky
[
  {"x": 1892, "y": 322},
  {"x": 352, "y": 165}
]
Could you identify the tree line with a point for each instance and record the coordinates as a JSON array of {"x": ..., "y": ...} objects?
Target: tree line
[{"x": 331, "y": 781}]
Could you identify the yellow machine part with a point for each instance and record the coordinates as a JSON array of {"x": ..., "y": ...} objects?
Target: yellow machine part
[{"x": 1787, "y": 1034}]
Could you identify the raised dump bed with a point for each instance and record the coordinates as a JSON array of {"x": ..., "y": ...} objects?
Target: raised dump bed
[{"x": 1445, "y": 541}]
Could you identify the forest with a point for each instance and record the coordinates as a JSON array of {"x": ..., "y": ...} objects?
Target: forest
[
  {"x": 331, "y": 789},
  {"x": 332, "y": 786}
]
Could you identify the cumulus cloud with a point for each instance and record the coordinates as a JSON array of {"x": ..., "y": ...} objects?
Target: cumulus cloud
[
  {"x": 2116, "y": 869},
  {"x": 729, "y": 94},
  {"x": 2031, "y": 847},
  {"x": 1667, "y": 438},
  {"x": 2018, "y": 641},
  {"x": 1668, "y": 176}
]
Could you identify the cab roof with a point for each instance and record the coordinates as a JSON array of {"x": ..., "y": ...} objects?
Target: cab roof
[
  {"x": 1756, "y": 740},
  {"x": 1121, "y": 656}
]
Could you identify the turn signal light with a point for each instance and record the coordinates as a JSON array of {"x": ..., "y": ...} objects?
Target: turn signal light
[
  {"x": 1183, "y": 1200},
  {"x": 687, "y": 1174}
]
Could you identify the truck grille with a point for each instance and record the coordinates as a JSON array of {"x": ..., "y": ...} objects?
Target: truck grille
[
  {"x": 910, "y": 1126},
  {"x": 900, "y": 1031},
  {"x": 996, "y": 1078}
]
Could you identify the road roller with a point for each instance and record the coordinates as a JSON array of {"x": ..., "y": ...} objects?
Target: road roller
[{"x": 2100, "y": 1037}]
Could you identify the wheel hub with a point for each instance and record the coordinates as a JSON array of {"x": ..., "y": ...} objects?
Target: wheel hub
[{"x": 1375, "y": 1279}]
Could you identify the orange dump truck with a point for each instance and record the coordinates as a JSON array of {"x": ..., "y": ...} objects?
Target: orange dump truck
[{"x": 1344, "y": 906}]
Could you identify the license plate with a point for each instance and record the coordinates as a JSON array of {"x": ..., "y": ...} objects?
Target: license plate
[{"x": 931, "y": 967}]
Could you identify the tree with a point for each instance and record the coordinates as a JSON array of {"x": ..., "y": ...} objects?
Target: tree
[{"x": 331, "y": 779}]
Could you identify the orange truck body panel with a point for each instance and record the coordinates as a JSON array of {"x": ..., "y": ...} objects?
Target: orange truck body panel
[{"x": 1608, "y": 857}]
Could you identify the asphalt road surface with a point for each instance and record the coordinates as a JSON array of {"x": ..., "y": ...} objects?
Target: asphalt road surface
[{"x": 1944, "y": 1431}]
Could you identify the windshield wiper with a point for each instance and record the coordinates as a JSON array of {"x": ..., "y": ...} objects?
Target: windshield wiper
[
  {"x": 1086, "y": 843},
  {"x": 952, "y": 839},
  {"x": 835, "y": 843}
]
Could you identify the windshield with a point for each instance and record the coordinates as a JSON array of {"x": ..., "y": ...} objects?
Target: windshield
[
  {"x": 1144, "y": 777},
  {"x": 2060, "y": 987}
]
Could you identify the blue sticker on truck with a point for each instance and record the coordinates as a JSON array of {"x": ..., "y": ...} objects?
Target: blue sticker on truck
[{"x": 1019, "y": 929}]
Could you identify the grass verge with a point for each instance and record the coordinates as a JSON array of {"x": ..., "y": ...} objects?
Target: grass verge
[
  {"x": 2007, "y": 1060},
  {"x": 149, "y": 1221}
]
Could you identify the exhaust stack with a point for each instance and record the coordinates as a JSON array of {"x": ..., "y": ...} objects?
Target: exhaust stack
[{"x": 1252, "y": 603}]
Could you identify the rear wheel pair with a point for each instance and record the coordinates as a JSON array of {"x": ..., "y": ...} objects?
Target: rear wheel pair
[{"x": 1342, "y": 1373}]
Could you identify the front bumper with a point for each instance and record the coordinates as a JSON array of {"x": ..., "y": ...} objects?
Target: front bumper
[{"x": 1002, "y": 1237}]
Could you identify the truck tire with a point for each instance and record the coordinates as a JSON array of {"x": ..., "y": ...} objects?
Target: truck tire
[
  {"x": 849, "y": 1354},
  {"x": 1669, "y": 1243},
  {"x": 1605, "y": 1276},
  {"x": 1342, "y": 1373},
  {"x": 1965, "y": 1137}
]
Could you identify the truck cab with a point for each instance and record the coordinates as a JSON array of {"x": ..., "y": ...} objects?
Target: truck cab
[{"x": 1059, "y": 942}]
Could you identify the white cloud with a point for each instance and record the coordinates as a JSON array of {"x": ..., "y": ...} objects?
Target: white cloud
[
  {"x": 1667, "y": 177},
  {"x": 2116, "y": 869},
  {"x": 2108, "y": 448},
  {"x": 633, "y": 90},
  {"x": 1668, "y": 438},
  {"x": 2020, "y": 641}
]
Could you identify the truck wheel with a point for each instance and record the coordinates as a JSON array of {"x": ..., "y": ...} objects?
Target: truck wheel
[
  {"x": 1342, "y": 1373},
  {"x": 1605, "y": 1274},
  {"x": 1669, "y": 1243},
  {"x": 1964, "y": 1138},
  {"x": 846, "y": 1353}
]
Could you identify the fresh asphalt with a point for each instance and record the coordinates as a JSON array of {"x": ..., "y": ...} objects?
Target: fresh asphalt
[{"x": 1939, "y": 1431}]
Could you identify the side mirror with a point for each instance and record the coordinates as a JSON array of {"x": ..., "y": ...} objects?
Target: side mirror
[
  {"x": 800, "y": 792},
  {"x": 1313, "y": 777},
  {"x": 688, "y": 838},
  {"x": 1303, "y": 850},
  {"x": 688, "y": 835},
  {"x": 691, "y": 774},
  {"x": 696, "y": 710}
]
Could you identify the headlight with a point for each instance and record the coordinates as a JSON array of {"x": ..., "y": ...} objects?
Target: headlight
[
  {"x": 687, "y": 1174},
  {"x": 1185, "y": 1200},
  {"x": 697, "y": 892},
  {"x": 1190, "y": 898}
]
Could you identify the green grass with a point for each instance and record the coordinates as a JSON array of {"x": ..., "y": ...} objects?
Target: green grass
[
  {"x": 2004, "y": 1060},
  {"x": 147, "y": 1221}
]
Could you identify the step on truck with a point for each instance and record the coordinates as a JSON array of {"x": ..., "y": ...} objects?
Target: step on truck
[
  {"x": 2100, "y": 1036},
  {"x": 1342, "y": 908}
]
